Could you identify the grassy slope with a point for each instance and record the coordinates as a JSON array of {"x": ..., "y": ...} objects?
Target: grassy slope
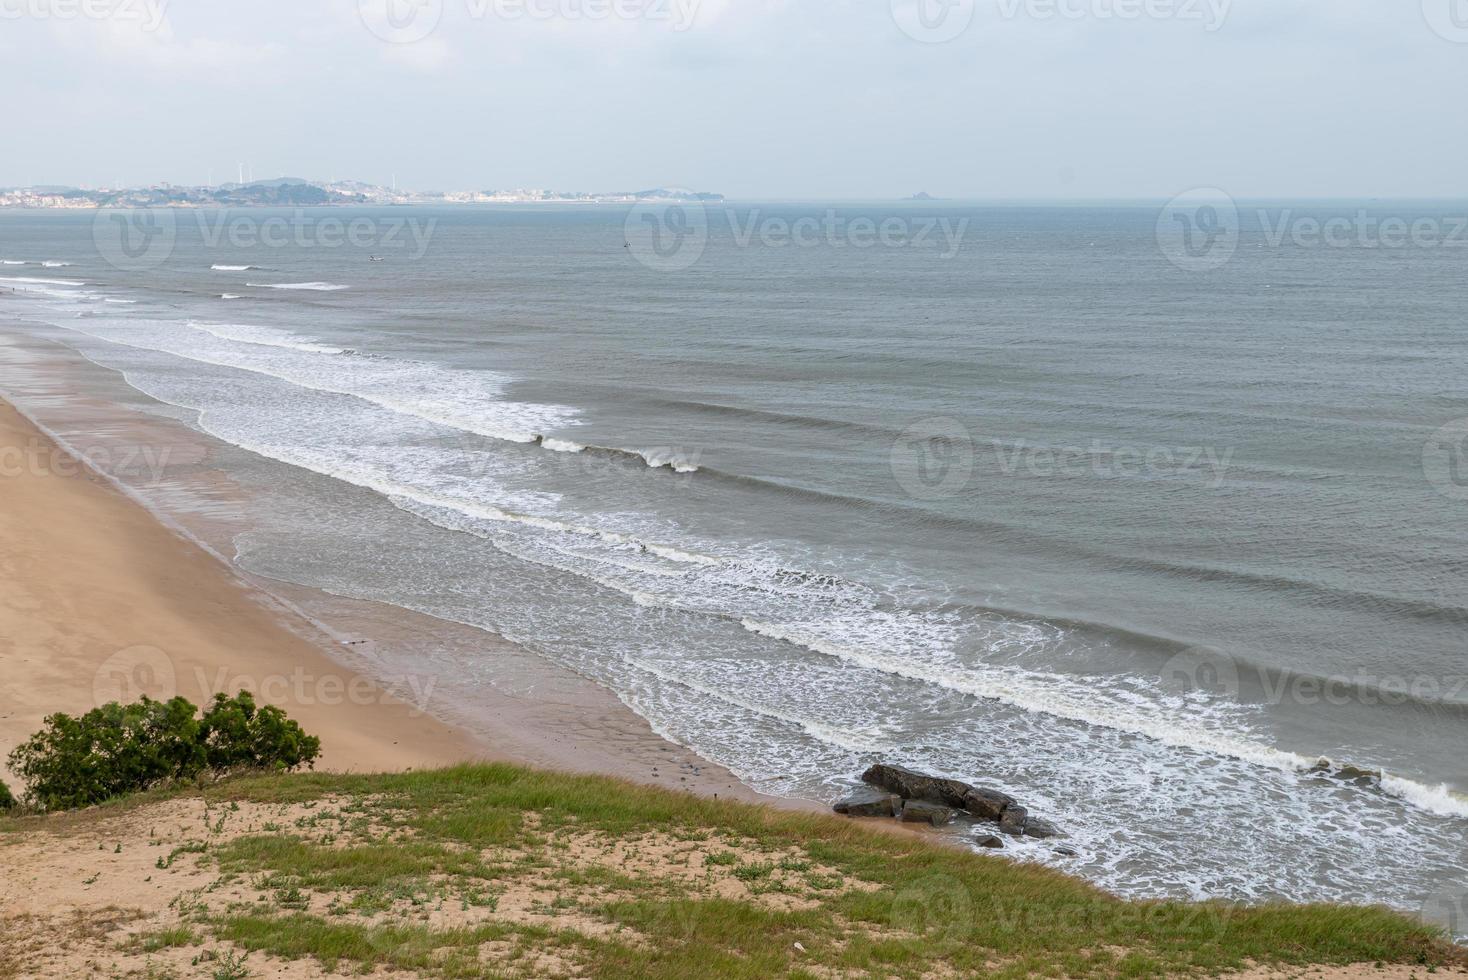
[{"x": 388, "y": 846}]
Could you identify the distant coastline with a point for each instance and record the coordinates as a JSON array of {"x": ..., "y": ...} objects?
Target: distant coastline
[{"x": 294, "y": 192}]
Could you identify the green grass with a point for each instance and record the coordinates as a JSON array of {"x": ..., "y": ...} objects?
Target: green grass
[{"x": 352, "y": 887}]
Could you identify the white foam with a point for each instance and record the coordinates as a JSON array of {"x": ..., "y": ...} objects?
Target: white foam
[
  {"x": 563, "y": 446},
  {"x": 55, "y": 265},
  {"x": 680, "y": 555},
  {"x": 42, "y": 282},
  {"x": 469, "y": 401},
  {"x": 49, "y": 288},
  {"x": 316, "y": 287},
  {"x": 11, "y": 262},
  {"x": 1049, "y": 694},
  {"x": 659, "y": 458},
  {"x": 1440, "y": 799},
  {"x": 233, "y": 268},
  {"x": 850, "y": 741},
  {"x": 120, "y": 302},
  {"x": 264, "y": 337},
  {"x": 228, "y": 296}
]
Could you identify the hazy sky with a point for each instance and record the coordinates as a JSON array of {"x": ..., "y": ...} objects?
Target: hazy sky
[{"x": 754, "y": 98}]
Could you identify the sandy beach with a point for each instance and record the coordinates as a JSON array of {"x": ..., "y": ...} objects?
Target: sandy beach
[{"x": 101, "y": 601}]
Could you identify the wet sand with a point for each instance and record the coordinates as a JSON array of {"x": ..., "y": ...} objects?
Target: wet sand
[{"x": 100, "y": 600}]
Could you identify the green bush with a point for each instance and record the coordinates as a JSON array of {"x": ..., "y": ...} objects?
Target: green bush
[
  {"x": 237, "y": 735},
  {"x": 7, "y": 801},
  {"x": 116, "y": 749}
]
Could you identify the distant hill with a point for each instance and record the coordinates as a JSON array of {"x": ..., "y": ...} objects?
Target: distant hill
[
  {"x": 298, "y": 192},
  {"x": 269, "y": 182},
  {"x": 677, "y": 194}
]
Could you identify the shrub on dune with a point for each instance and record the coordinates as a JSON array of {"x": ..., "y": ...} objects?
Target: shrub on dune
[
  {"x": 118, "y": 749},
  {"x": 237, "y": 735}
]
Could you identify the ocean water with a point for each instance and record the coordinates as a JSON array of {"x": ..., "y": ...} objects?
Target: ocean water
[{"x": 1135, "y": 539}]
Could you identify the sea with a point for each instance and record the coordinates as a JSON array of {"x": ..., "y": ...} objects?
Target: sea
[{"x": 1157, "y": 524}]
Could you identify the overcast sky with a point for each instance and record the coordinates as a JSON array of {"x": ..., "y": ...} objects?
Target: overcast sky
[{"x": 754, "y": 98}]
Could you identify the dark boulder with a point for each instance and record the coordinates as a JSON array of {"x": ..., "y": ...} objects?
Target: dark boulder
[
  {"x": 869, "y": 803},
  {"x": 990, "y": 841},
  {"x": 987, "y": 804},
  {"x": 915, "y": 786},
  {"x": 1041, "y": 829},
  {"x": 1348, "y": 773},
  {"x": 918, "y": 811},
  {"x": 1359, "y": 776},
  {"x": 1012, "y": 821}
]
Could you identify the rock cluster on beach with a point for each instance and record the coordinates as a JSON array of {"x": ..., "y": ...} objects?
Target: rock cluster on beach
[{"x": 914, "y": 797}]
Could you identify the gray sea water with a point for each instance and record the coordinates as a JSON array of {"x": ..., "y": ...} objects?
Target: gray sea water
[{"x": 1136, "y": 538}]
